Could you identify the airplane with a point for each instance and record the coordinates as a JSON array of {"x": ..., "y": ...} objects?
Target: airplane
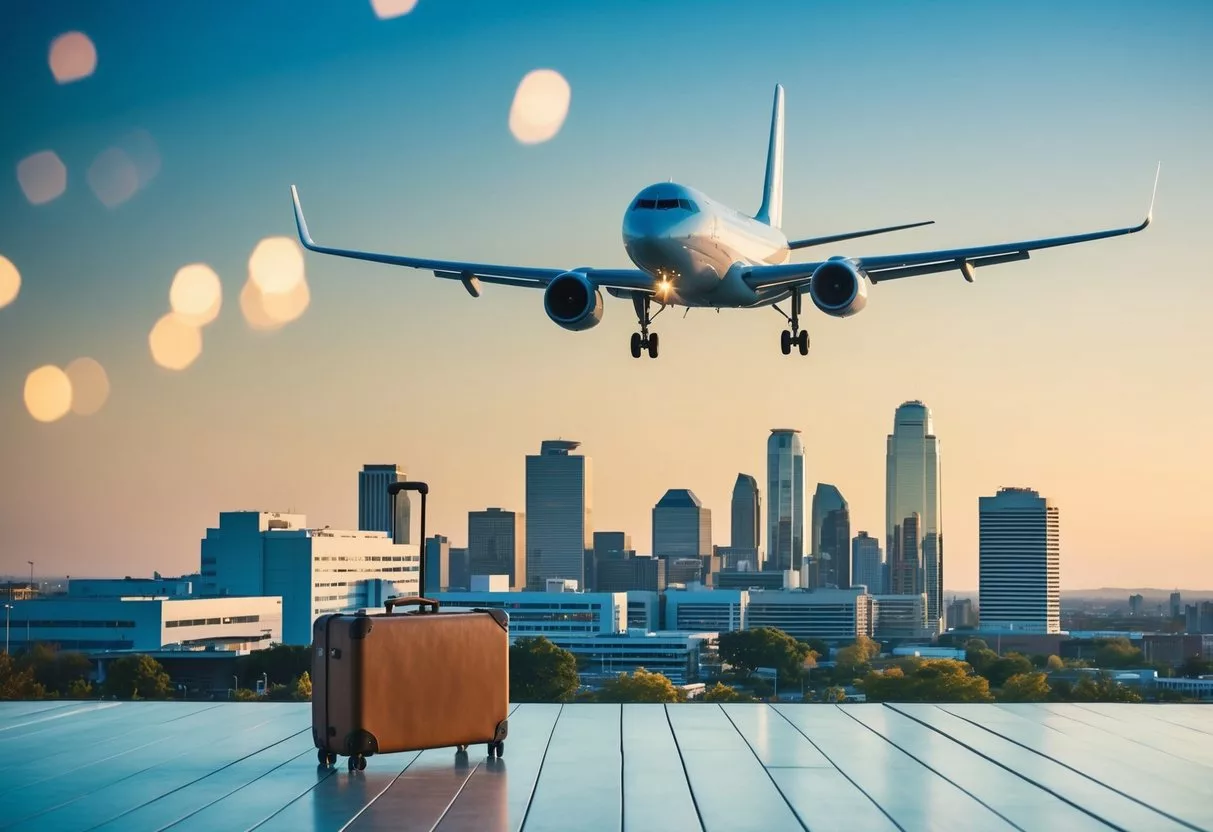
[{"x": 693, "y": 251}]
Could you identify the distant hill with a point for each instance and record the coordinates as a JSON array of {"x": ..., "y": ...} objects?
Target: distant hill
[{"x": 1149, "y": 594}]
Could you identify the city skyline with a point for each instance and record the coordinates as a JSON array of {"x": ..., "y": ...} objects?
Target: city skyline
[{"x": 1062, "y": 373}]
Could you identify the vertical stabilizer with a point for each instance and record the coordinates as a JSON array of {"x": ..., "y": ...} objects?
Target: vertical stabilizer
[{"x": 771, "y": 211}]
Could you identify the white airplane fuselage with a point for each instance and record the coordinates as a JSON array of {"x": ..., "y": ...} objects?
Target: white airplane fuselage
[{"x": 695, "y": 245}]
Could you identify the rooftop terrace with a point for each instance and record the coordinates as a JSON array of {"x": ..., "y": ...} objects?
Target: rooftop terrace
[{"x": 228, "y": 766}]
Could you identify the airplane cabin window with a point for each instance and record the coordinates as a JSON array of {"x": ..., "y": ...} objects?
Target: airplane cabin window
[
  {"x": 687, "y": 205},
  {"x": 643, "y": 203}
]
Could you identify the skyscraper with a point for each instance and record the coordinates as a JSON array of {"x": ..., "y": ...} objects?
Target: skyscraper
[
  {"x": 375, "y": 505},
  {"x": 866, "y": 568},
  {"x": 746, "y": 514},
  {"x": 913, "y": 525},
  {"x": 831, "y": 537},
  {"x": 559, "y": 527},
  {"x": 497, "y": 544},
  {"x": 1019, "y": 550},
  {"x": 785, "y": 500},
  {"x": 682, "y": 527}
]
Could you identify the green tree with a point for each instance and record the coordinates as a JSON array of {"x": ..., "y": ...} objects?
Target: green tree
[
  {"x": 723, "y": 693},
  {"x": 748, "y": 650},
  {"x": 926, "y": 680},
  {"x": 1055, "y": 663},
  {"x": 979, "y": 656},
  {"x": 1116, "y": 653},
  {"x": 56, "y": 670},
  {"x": 640, "y": 686},
  {"x": 1002, "y": 669},
  {"x": 1026, "y": 687},
  {"x": 541, "y": 672},
  {"x": 855, "y": 658},
  {"x": 245, "y": 695},
  {"x": 80, "y": 689},
  {"x": 303, "y": 687},
  {"x": 833, "y": 695},
  {"x": 280, "y": 693},
  {"x": 136, "y": 677},
  {"x": 279, "y": 663},
  {"x": 1102, "y": 688},
  {"x": 16, "y": 682},
  {"x": 820, "y": 649}
]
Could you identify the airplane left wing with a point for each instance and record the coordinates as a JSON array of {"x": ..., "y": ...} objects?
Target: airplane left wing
[
  {"x": 527, "y": 276},
  {"x": 893, "y": 266}
]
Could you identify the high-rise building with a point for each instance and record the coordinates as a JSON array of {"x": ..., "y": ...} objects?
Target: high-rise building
[
  {"x": 497, "y": 544},
  {"x": 437, "y": 565},
  {"x": 1019, "y": 550},
  {"x": 1177, "y": 608},
  {"x": 866, "y": 567},
  {"x": 1136, "y": 603},
  {"x": 559, "y": 525},
  {"x": 682, "y": 527},
  {"x": 785, "y": 500},
  {"x": 913, "y": 524},
  {"x": 746, "y": 515},
  {"x": 612, "y": 546},
  {"x": 375, "y": 504},
  {"x": 831, "y": 537}
]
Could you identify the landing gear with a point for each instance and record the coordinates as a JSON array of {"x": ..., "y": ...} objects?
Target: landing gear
[
  {"x": 794, "y": 336},
  {"x": 643, "y": 339}
]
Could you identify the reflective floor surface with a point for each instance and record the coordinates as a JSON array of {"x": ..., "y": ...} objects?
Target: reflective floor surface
[{"x": 234, "y": 766}]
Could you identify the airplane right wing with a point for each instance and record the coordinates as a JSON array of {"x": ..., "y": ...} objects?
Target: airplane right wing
[
  {"x": 893, "y": 266},
  {"x": 469, "y": 273}
]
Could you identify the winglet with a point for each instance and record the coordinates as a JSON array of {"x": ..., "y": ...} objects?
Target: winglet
[
  {"x": 304, "y": 236},
  {"x": 1150, "y": 213}
]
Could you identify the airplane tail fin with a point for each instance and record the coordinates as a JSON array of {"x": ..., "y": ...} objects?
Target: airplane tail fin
[{"x": 771, "y": 210}]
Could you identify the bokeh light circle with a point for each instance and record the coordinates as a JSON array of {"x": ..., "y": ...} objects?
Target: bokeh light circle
[
  {"x": 42, "y": 177},
  {"x": 196, "y": 294},
  {"x": 276, "y": 265},
  {"x": 72, "y": 57},
  {"x": 10, "y": 281},
  {"x": 113, "y": 177},
  {"x": 284, "y": 307},
  {"x": 48, "y": 393},
  {"x": 387, "y": 9},
  {"x": 175, "y": 343},
  {"x": 90, "y": 386},
  {"x": 540, "y": 106}
]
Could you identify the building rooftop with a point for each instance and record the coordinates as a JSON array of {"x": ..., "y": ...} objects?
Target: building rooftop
[
  {"x": 208, "y": 766},
  {"x": 679, "y": 498}
]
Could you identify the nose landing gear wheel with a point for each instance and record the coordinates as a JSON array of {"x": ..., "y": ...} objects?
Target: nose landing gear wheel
[{"x": 644, "y": 340}]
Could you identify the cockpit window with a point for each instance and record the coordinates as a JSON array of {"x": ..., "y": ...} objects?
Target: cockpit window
[{"x": 665, "y": 205}]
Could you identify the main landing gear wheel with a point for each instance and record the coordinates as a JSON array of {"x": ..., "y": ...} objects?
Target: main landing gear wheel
[
  {"x": 794, "y": 336},
  {"x": 644, "y": 340}
]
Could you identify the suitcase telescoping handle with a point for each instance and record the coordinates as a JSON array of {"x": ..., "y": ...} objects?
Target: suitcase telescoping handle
[
  {"x": 405, "y": 602},
  {"x": 395, "y": 488}
]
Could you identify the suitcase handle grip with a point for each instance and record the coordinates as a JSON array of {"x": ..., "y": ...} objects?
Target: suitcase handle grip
[{"x": 410, "y": 600}]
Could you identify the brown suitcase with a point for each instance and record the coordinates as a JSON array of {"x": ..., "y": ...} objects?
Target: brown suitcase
[{"x": 409, "y": 681}]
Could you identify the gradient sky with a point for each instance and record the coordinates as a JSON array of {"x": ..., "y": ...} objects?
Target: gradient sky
[{"x": 1082, "y": 373}]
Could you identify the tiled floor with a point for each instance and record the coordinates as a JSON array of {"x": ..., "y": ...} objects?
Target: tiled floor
[{"x": 234, "y": 766}]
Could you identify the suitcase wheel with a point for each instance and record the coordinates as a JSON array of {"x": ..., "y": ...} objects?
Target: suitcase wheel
[
  {"x": 357, "y": 762},
  {"x": 326, "y": 758},
  {"x": 463, "y": 749},
  {"x": 497, "y": 748}
]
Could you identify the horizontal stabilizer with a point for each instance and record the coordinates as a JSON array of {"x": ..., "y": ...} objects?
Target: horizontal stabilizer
[{"x": 851, "y": 235}]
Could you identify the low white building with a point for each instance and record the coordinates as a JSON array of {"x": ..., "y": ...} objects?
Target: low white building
[
  {"x": 837, "y": 616},
  {"x": 675, "y": 655},
  {"x": 550, "y": 613},
  {"x": 144, "y": 623},
  {"x": 712, "y": 610},
  {"x": 314, "y": 571}
]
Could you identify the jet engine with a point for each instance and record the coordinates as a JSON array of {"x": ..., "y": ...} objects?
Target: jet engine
[
  {"x": 573, "y": 302},
  {"x": 838, "y": 288}
]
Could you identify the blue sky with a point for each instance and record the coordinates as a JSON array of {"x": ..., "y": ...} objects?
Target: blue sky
[{"x": 999, "y": 121}]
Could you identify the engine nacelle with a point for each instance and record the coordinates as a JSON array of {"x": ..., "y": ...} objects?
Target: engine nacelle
[
  {"x": 573, "y": 302},
  {"x": 838, "y": 288}
]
